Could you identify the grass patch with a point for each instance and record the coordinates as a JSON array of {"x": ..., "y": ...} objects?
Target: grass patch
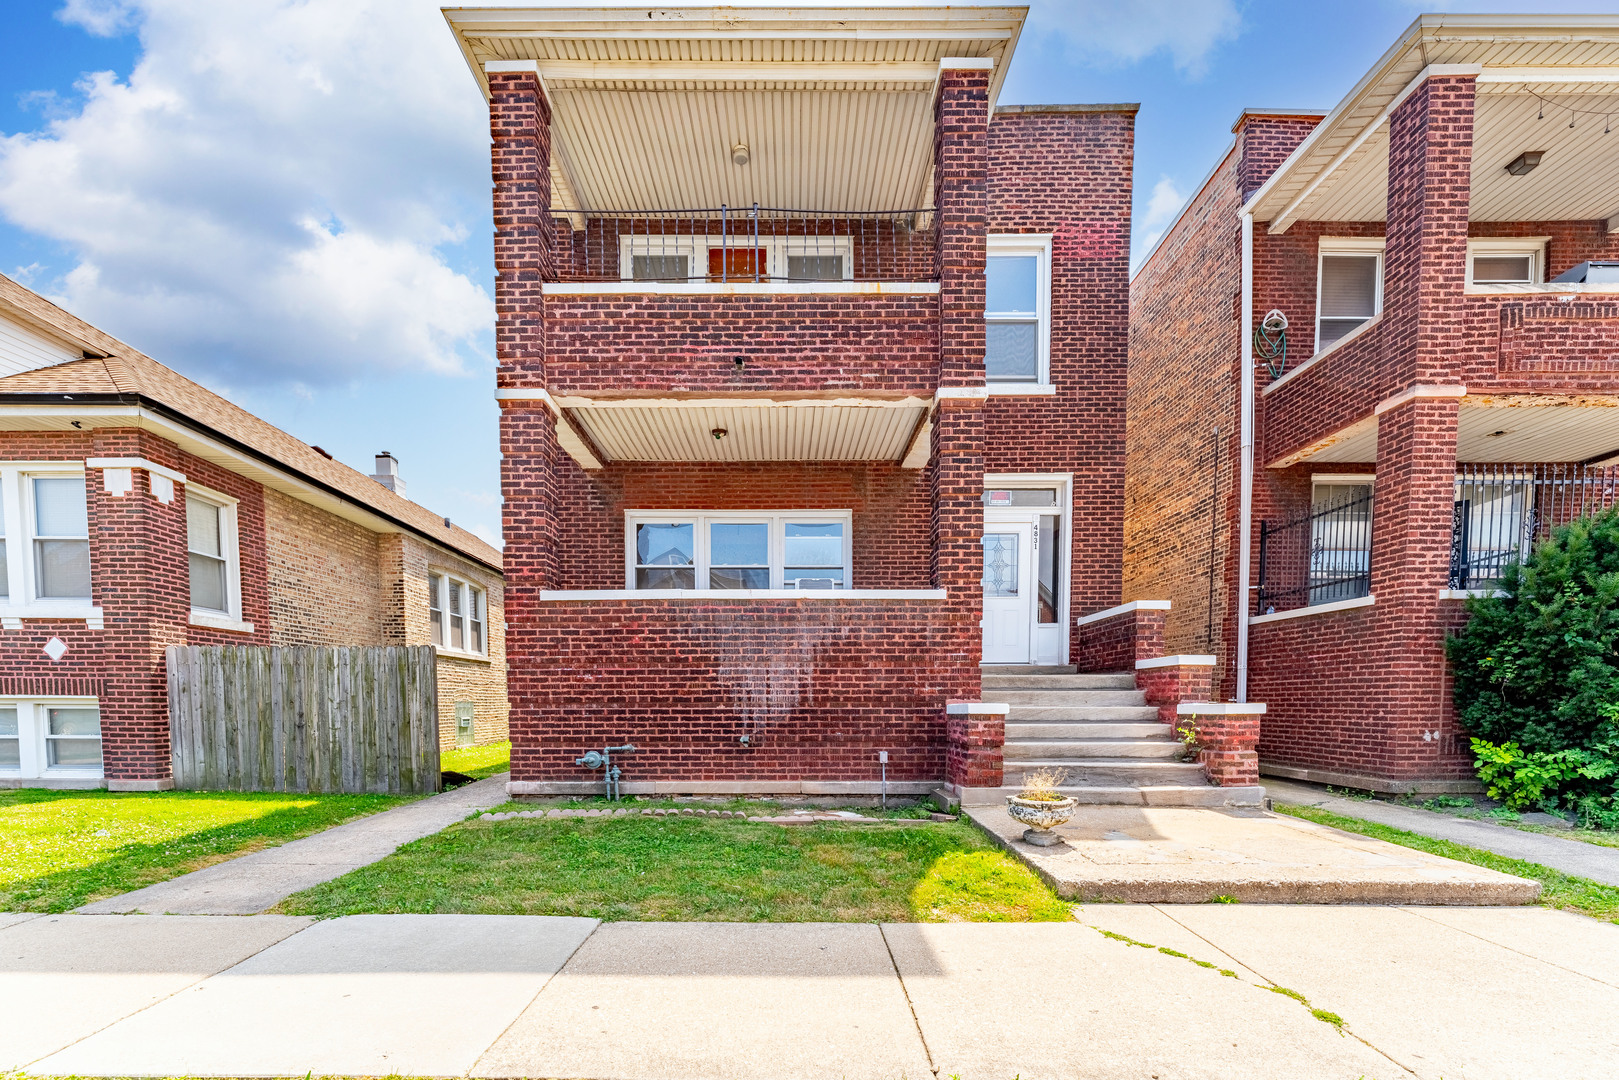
[
  {"x": 61, "y": 849},
  {"x": 1558, "y": 890},
  {"x": 694, "y": 869},
  {"x": 478, "y": 761}
]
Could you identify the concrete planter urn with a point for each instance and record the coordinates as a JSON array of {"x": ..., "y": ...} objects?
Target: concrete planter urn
[{"x": 1040, "y": 815}]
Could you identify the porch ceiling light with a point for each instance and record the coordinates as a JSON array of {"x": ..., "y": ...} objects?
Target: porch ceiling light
[
  {"x": 1525, "y": 162},
  {"x": 739, "y": 153},
  {"x": 719, "y": 433}
]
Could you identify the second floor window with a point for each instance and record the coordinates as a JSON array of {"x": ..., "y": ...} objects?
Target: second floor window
[
  {"x": 1017, "y": 299},
  {"x": 456, "y": 614},
  {"x": 1349, "y": 289}
]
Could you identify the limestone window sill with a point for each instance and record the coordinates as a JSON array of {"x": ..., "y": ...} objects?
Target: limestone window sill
[
  {"x": 723, "y": 595},
  {"x": 12, "y": 616},
  {"x": 460, "y": 654},
  {"x": 1020, "y": 389},
  {"x": 216, "y": 621}
]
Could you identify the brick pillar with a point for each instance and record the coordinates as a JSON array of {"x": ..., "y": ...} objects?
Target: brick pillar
[{"x": 520, "y": 158}]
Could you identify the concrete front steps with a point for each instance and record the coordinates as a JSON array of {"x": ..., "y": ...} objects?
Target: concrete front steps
[{"x": 1100, "y": 730}]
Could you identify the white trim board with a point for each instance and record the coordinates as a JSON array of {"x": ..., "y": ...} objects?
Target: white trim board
[
  {"x": 1122, "y": 609},
  {"x": 1314, "y": 609}
]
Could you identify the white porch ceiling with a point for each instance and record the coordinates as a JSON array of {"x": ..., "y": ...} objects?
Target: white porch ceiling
[
  {"x": 788, "y": 431},
  {"x": 1509, "y": 430},
  {"x": 835, "y": 105}
]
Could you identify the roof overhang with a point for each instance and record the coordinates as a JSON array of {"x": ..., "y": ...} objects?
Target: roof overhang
[
  {"x": 1568, "y": 62},
  {"x": 835, "y": 105}
]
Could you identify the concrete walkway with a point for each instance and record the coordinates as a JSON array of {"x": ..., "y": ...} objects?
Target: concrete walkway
[
  {"x": 1591, "y": 861},
  {"x": 1186, "y": 855},
  {"x": 254, "y": 883},
  {"x": 1476, "y": 993}
]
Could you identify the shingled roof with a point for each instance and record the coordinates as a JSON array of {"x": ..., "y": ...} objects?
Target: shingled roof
[{"x": 113, "y": 370}]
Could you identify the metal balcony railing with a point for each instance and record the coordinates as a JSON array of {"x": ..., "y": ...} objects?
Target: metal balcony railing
[
  {"x": 1317, "y": 557},
  {"x": 1502, "y": 510},
  {"x": 749, "y": 244}
]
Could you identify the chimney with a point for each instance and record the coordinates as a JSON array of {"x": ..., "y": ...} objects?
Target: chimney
[{"x": 387, "y": 474}]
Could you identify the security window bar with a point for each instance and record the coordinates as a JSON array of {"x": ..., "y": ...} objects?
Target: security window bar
[
  {"x": 738, "y": 550},
  {"x": 1502, "y": 511},
  {"x": 1318, "y": 557}
]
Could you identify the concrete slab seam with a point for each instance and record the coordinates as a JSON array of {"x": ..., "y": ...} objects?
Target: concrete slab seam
[
  {"x": 909, "y": 1004},
  {"x": 518, "y": 1015},
  {"x": 1530, "y": 956}
]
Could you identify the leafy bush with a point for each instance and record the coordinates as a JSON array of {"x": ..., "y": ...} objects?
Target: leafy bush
[{"x": 1537, "y": 675}]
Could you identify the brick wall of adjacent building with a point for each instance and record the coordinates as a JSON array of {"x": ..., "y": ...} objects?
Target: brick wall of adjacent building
[{"x": 326, "y": 583}]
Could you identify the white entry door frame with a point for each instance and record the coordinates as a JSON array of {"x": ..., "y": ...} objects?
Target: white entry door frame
[{"x": 1044, "y": 635}]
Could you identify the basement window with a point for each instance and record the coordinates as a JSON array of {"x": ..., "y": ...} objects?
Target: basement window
[
  {"x": 44, "y": 737},
  {"x": 734, "y": 550},
  {"x": 1349, "y": 287}
]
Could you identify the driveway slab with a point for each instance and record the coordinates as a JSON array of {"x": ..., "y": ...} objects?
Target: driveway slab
[
  {"x": 365, "y": 995},
  {"x": 717, "y": 1001},
  {"x": 65, "y": 977},
  {"x": 1061, "y": 1000},
  {"x": 1441, "y": 1002},
  {"x": 1189, "y": 855},
  {"x": 259, "y": 881}
]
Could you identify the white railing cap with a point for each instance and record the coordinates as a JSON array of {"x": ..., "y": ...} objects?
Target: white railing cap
[
  {"x": 1221, "y": 708},
  {"x": 1123, "y": 609},
  {"x": 1180, "y": 660}
]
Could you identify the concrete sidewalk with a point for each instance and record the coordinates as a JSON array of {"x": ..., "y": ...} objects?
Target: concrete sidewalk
[
  {"x": 254, "y": 883},
  {"x": 1576, "y": 857},
  {"x": 1482, "y": 993}
]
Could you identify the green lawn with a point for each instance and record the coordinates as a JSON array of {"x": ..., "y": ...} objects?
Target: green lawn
[
  {"x": 60, "y": 849},
  {"x": 478, "y": 761},
  {"x": 695, "y": 869},
  {"x": 1559, "y": 890}
]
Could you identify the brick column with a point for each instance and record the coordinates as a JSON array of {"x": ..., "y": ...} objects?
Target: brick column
[{"x": 520, "y": 159}]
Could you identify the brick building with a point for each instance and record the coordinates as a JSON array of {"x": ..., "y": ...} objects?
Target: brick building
[
  {"x": 142, "y": 511},
  {"x": 777, "y": 481},
  {"x": 1447, "y": 392}
]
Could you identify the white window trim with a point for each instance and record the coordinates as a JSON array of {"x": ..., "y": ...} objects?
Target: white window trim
[
  {"x": 21, "y": 603},
  {"x": 230, "y": 545},
  {"x": 777, "y": 521},
  {"x": 31, "y": 725},
  {"x": 777, "y": 249},
  {"x": 1369, "y": 479},
  {"x": 1348, "y": 245},
  {"x": 1533, "y": 246},
  {"x": 1038, "y": 244},
  {"x": 444, "y": 579}
]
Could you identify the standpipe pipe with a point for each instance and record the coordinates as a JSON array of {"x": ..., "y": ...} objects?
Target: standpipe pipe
[{"x": 1245, "y": 531}]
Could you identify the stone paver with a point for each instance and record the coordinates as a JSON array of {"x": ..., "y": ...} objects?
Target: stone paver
[
  {"x": 64, "y": 977},
  {"x": 257, "y": 882},
  {"x": 1190, "y": 855},
  {"x": 1570, "y": 856},
  {"x": 366, "y": 995},
  {"x": 1441, "y": 1002},
  {"x": 692, "y": 1001}
]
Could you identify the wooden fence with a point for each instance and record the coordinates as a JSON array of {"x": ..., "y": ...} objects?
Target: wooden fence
[{"x": 257, "y": 718}]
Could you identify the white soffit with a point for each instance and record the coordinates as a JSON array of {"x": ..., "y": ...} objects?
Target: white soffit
[
  {"x": 1339, "y": 172},
  {"x": 753, "y": 433},
  {"x": 1505, "y": 430},
  {"x": 834, "y": 104}
]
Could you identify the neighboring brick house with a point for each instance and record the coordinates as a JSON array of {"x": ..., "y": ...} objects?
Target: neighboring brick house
[
  {"x": 142, "y": 511},
  {"x": 1448, "y": 392},
  {"x": 761, "y": 465}
]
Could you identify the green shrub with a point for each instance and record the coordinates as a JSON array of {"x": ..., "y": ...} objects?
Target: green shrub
[{"x": 1536, "y": 674}]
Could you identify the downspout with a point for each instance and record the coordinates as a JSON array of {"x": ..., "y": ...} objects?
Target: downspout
[{"x": 1245, "y": 531}]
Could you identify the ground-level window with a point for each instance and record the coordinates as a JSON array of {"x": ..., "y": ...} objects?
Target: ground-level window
[
  {"x": 742, "y": 549},
  {"x": 50, "y": 737},
  {"x": 213, "y": 554},
  {"x": 457, "y": 614}
]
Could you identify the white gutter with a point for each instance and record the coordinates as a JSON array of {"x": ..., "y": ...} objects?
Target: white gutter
[{"x": 1245, "y": 541}]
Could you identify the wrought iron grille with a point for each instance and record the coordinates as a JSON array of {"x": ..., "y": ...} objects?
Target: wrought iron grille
[
  {"x": 1502, "y": 510},
  {"x": 748, "y": 244},
  {"x": 1317, "y": 557}
]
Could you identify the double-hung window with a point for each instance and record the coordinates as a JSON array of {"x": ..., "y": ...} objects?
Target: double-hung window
[
  {"x": 457, "y": 614},
  {"x": 44, "y": 540},
  {"x": 1349, "y": 287},
  {"x": 46, "y": 737},
  {"x": 738, "y": 549},
  {"x": 1017, "y": 309},
  {"x": 213, "y": 554}
]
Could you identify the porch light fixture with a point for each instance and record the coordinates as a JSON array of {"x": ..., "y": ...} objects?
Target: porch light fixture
[
  {"x": 1525, "y": 162},
  {"x": 739, "y": 153},
  {"x": 719, "y": 433}
]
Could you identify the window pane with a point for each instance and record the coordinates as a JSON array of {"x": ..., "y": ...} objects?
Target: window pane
[
  {"x": 202, "y": 527},
  {"x": 8, "y": 722},
  {"x": 1010, "y": 283},
  {"x": 74, "y": 753},
  {"x": 75, "y": 721},
  {"x": 814, "y": 545},
  {"x": 663, "y": 545},
  {"x": 434, "y": 585},
  {"x": 64, "y": 568},
  {"x": 208, "y": 583},
  {"x": 59, "y": 507},
  {"x": 1348, "y": 286},
  {"x": 435, "y": 619},
  {"x": 665, "y": 577},
  {"x": 1046, "y": 606},
  {"x": 5, "y": 574},
  {"x": 457, "y": 632},
  {"x": 1000, "y": 564},
  {"x": 660, "y": 267},
  {"x": 739, "y": 577},
  {"x": 815, "y": 267},
  {"x": 1488, "y": 268},
  {"x": 10, "y": 745},
  {"x": 812, "y": 577},
  {"x": 739, "y": 543},
  {"x": 1011, "y": 350},
  {"x": 1333, "y": 329}
]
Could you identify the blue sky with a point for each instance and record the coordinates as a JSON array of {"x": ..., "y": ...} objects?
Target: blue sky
[{"x": 289, "y": 201}]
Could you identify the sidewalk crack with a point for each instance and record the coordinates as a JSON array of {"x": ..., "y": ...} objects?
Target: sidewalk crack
[{"x": 933, "y": 1066}]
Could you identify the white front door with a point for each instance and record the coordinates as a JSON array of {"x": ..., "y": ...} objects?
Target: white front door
[{"x": 1008, "y": 591}]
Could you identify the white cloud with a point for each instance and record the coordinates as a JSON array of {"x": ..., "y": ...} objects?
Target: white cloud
[
  {"x": 1162, "y": 206},
  {"x": 275, "y": 192},
  {"x": 1131, "y": 30}
]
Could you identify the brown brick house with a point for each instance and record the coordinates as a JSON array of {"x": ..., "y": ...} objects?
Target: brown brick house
[
  {"x": 1435, "y": 244},
  {"x": 812, "y": 375},
  {"x": 142, "y": 511}
]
